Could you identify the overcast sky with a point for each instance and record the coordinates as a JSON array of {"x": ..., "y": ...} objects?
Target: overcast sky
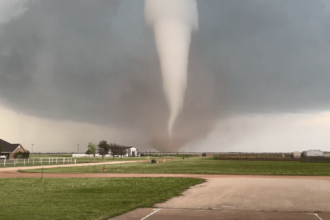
[{"x": 75, "y": 71}]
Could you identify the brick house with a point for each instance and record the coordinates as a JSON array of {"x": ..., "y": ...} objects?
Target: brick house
[{"x": 11, "y": 149}]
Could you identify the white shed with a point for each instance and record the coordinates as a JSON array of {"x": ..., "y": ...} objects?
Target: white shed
[
  {"x": 326, "y": 154},
  {"x": 132, "y": 152},
  {"x": 313, "y": 153},
  {"x": 296, "y": 154}
]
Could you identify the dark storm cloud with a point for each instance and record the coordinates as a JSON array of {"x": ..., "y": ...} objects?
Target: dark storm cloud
[{"x": 96, "y": 62}]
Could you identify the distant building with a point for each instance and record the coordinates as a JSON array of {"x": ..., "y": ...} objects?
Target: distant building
[
  {"x": 296, "y": 154},
  {"x": 326, "y": 154},
  {"x": 10, "y": 150},
  {"x": 131, "y": 151},
  {"x": 312, "y": 153}
]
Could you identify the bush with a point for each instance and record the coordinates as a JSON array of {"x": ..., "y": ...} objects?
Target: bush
[
  {"x": 22, "y": 155},
  {"x": 26, "y": 154},
  {"x": 153, "y": 161}
]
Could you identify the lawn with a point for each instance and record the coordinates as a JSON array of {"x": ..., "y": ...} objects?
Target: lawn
[
  {"x": 84, "y": 198},
  {"x": 206, "y": 166},
  {"x": 107, "y": 159}
]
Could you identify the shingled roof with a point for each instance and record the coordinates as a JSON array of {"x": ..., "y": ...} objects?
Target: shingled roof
[{"x": 7, "y": 147}]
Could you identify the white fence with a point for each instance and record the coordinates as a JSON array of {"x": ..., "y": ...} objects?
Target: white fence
[
  {"x": 36, "y": 161},
  {"x": 96, "y": 155}
]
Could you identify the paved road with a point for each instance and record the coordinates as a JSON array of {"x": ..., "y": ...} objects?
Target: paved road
[{"x": 188, "y": 214}]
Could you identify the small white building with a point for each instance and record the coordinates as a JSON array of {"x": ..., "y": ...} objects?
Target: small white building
[
  {"x": 296, "y": 154},
  {"x": 313, "y": 153},
  {"x": 326, "y": 154},
  {"x": 132, "y": 152}
]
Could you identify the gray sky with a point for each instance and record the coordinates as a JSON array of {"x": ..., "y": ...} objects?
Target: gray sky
[{"x": 94, "y": 64}]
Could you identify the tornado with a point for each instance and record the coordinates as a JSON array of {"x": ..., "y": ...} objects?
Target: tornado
[{"x": 173, "y": 22}]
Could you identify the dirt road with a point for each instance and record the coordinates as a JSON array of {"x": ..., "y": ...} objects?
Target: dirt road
[
  {"x": 188, "y": 214},
  {"x": 256, "y": 194}
]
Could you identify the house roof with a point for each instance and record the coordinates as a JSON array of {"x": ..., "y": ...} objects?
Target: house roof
[
  {"x": 7, "y": 147},
  {"x": 127, "y": 147}
]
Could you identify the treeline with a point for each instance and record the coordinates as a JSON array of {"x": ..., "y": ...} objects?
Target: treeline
[{"x": 104, "y": 148}]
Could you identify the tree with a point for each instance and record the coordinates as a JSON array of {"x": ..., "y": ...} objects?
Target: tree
[
  {"x": 103, "y": 148},
  {"x": 114, "y": 150},
  {"x": 91, "y": 150},
  {"x": 122, "y": 151}
]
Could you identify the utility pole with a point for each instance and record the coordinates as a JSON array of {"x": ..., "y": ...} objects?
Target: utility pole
[{"x": 121, "y": 152}]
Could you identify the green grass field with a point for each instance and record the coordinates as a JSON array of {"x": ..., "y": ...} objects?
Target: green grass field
[
  {"x": 86, "y": 159},
  {"x": 107, "y": 159},
  {"x": 206, "y": 166},
  {"x": 84, "y": 199}
]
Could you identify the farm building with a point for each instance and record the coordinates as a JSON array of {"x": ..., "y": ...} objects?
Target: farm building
[
  {"x": 312, "y": 153},
  {"x": 296, "y": 154},
  {"x": 10, "y": 150},
  {"x": 326, "y": 154},
  {"x": 131, "y": 152}
]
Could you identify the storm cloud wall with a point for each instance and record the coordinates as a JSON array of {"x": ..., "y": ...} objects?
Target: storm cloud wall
[{"x": 96, "y": 62}]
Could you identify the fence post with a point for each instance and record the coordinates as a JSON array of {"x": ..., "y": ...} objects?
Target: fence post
[
  {"x": 14, "y": 162},
  {"x": 41, "y": 161},
  {"x": 4, "y": 163},
  {"x": 56, "y": 160},
  {"x": 24, "y": 162},
  {"x": 63, "y": 160},
  {"x": 49, "y": 160},
  {"x": 33, "y": 161}
]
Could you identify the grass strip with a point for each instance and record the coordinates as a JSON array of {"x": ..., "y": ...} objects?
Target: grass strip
[
  {"x": 206, "y": 166},
  {"x": 84, "y": 198}
]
